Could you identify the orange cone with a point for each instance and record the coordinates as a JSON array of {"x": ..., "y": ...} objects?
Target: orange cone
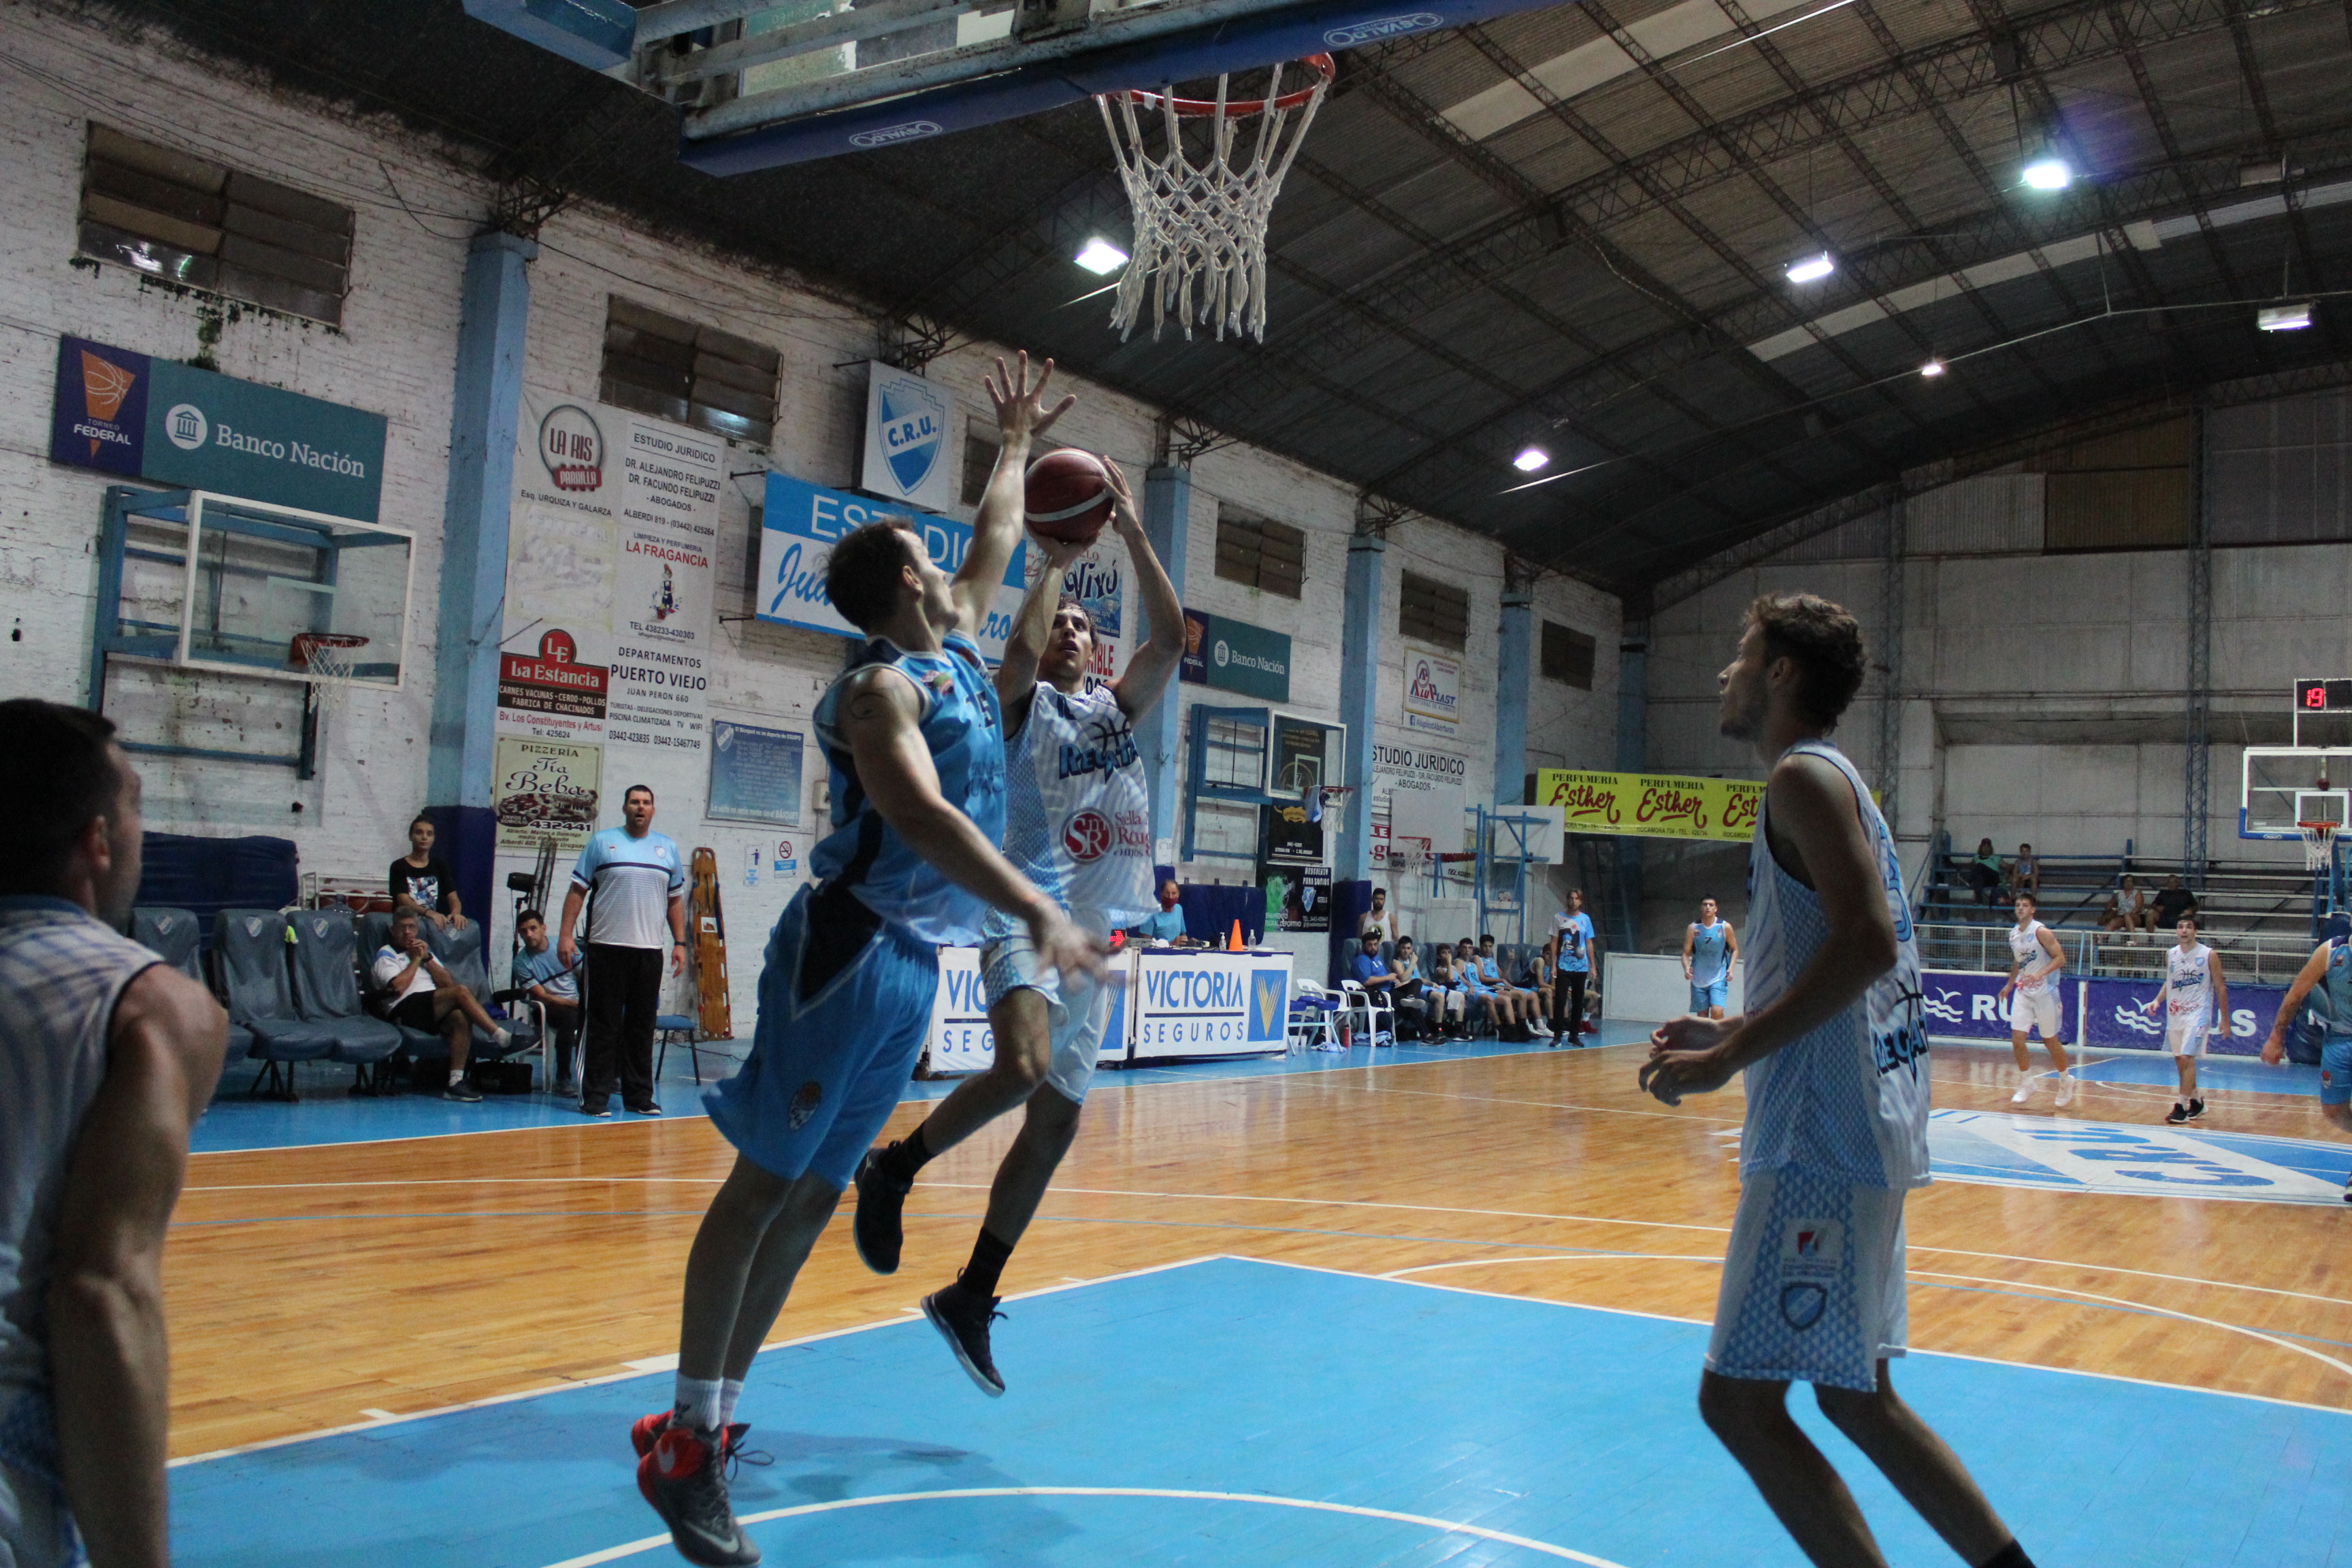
[{"x": 1235, "y": 945}]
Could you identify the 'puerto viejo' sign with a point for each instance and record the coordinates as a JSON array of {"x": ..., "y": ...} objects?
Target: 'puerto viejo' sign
[
  {"x": 914, "y": 439},
  {"x": 1432, "y": 690},
  {"x": 798, "y": 527},
  {"x": 156, "y": 419}
]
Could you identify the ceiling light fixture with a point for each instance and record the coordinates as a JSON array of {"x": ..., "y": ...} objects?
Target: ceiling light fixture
[
  {"x": 1932, "y": 369},
  {"x": 1530, "y": 459},
  {"x": 1811, "y": 268},
  {"x": 2283, "y": 318},
  {"x": 2049, "y": 173},
  {"x": 1100, "y": 256}
]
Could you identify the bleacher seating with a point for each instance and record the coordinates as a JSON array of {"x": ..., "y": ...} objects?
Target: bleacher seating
[
  {"x": 460, "y": 953},
  {"x": 251, "y": 944},
  {"x": 327, "y": 992}
]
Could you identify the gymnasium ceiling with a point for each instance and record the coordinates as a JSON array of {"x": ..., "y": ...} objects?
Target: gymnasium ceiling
[{"x": 1569, "y": 228}]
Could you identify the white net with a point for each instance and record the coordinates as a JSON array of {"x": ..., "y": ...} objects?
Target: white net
[
  {"x": 2318, "y": 844},
  {"x": 1200, "y": 226}
]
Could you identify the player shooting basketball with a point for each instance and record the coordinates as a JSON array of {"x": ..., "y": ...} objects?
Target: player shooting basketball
[{"x": 1078, "y": 824}]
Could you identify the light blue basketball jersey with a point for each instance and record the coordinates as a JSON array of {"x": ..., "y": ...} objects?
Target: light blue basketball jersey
[
  {"x": 2337, "y": 983},
  {"x": 964, "y": 728},
  {"x": 1710, "y": 952},
  {"x": 1852, "y": 1094}
]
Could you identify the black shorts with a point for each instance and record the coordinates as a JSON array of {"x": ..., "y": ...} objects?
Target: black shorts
[{"x": 414, "y": 1012}]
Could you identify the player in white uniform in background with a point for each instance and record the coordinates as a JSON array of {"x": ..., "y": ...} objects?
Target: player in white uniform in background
[
  {"x": 1709, "y": 947},
  {"x": 2195, "y": 1001},
  {"x": 1835, "y": 1050},
  {"x": 2035, "y": 963},
  {"x": 1079, "y": 823}
]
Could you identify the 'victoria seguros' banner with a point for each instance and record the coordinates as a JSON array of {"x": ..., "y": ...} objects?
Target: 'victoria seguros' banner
[{"x": 1651, "y": 805}]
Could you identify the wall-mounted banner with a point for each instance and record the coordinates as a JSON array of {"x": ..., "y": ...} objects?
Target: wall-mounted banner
[
  {"x": 1965, "y": 1005},
  {"x": 1297, "y": 898},
  {"x": 1650, "y": 806},
  {"x": 158, "y": 419},
  {"x": 1432, "y": 690},
  {"x": 548, "y": 694},
  {"x": 666, "y": 534},
  {"x": 914, "y": 440},
  {"x": 755, "y": 774},
  {"x": 800, "y": 524},
  {"x": 545, "y": 789},
  {"x": 2114, "y": 1019},
  {"x": 1097, "y": 580},
  {"x": 1287, "y": 838},
  {"x": 1235, "y": 656}
]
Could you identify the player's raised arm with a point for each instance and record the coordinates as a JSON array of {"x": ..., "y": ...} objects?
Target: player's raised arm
[
  {"x": 1016, "y": 678},
  {"x": 1020, "y": 416},
  {"x": 1152, "y": 666},
  {"x": 880, "y": 711}
]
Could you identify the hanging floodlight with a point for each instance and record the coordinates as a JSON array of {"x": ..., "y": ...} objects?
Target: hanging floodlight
[
  {"x": 2283, "y": 318},
  {"x": 1811, "y": 268},
  {"x": 1530, "y": 459},
  {"x": 2049, "y": 173},
  {"x": 1932, "y": 369},
  {"x": 1100, "y": 256}
]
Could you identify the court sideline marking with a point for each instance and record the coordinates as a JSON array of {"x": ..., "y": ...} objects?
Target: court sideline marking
[{"x": 1451, "y": 1526}]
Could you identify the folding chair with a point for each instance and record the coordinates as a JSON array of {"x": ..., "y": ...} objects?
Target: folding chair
[
  {"x": 1310, "y": 1019},
  {"x": 1356, "y": 1000},
  {"x": 679, "y": 1028}
]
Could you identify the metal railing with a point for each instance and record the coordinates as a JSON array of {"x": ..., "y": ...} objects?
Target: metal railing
[{"x": 2259, "y": 958}]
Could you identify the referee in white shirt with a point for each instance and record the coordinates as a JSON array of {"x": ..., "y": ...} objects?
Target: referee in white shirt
[{"x": 632, "y": 881}]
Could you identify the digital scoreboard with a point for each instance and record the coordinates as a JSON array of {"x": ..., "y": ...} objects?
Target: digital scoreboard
[{"x": 2323, "y": 696}]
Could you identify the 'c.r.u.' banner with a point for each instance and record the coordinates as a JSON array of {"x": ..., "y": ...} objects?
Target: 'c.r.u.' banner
[{"x": 1651, "y": 805}]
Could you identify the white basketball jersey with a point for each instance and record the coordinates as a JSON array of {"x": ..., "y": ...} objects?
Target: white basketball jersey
[
  {"x": 2191, "y": 975},
  {"x": 1850, "y": 1095},
  {"x": 2034, "y": 961},
  {"x": 1077, "y": 816}
]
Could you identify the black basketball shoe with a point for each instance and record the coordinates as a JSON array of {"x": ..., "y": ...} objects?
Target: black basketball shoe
[
  {"x": 963, "y": 1319},
  {"x": 878, "y": 1225}
]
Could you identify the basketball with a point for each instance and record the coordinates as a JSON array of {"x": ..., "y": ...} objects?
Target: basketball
[{"x": 1067, "y": 496}]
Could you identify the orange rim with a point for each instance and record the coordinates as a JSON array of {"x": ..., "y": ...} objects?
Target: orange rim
[{"x": 1323, "y": 66}]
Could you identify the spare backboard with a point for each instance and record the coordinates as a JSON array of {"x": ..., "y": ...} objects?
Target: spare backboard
[
  {"x": 2280, "y": 786},
  {"x": 1436, "y": 813}
]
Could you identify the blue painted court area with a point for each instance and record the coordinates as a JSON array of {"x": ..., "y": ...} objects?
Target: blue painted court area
[
  {"x": 328, "y": 1113},
  {"x": 1332, "y": 1419},
  {"x": 2242, "y": 1074}
]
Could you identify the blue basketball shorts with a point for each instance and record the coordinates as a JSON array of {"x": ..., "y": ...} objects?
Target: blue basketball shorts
[
  {"x": 1715, "y": 994},
  {"x": 1812, "y": 1281},
  {"x": 844, "y": 1003},
  {"x": 2335, "y": 1071}
]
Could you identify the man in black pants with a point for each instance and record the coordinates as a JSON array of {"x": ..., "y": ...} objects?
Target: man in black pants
[
  {"x": 1569, "y": 953},
  {"x": 632, "y": 881}
]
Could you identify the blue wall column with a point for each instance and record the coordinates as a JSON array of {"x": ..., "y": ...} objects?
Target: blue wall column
[
  {"x": 486, "y": 405},
  {"x": 1360, "y": 692},
  {"x": 1167, "y": 518},
  {"x": 1513, "y": 671}
]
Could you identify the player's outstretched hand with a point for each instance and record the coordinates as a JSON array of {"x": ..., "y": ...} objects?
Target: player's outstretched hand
[
  {"x": 2274, "y": 1050},
  {"x": 1061, "y": 944},
  {"x": 1687, "y": 1058},
  {"x": 1020, "y": 407},
  {"x": 1124, "y": 517}
]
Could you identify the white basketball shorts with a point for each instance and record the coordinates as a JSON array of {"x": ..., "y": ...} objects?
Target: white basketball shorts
[
  {"x": 1079, "y": 1010},
  {"x": 2040, "y": 1008},
  {"x": 1813, "y": 1284},
  {"x": 2185, "y": 1034}
]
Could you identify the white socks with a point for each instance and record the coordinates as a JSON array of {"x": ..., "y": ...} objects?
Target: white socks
[
  {"x": 504, "y": 1037},
  {"x": 730, "y": 1389},
  {"x": 456, "y": 1077},
  {"x": 699, "y": 1401}
]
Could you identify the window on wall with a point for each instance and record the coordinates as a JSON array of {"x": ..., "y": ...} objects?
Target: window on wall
[
  {"x": 695, "y": 375},
  {"x": 176, "y": 216},
  {"x": 1261, "y": 552},
  {"x": 1567, "y": 656},
  {"x": 1433, "y": 612}
]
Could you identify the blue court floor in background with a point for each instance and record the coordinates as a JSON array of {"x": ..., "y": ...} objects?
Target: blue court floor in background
[
  {"x": 1236, "y": 1413},
  {"x": 328, "y": 1113}
]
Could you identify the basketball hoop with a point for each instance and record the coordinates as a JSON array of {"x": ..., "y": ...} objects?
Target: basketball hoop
[
  {"x": 327, "y": 655},
  {"x": 2318, "y": 843},
  {"x": 1200, "y": 228}
]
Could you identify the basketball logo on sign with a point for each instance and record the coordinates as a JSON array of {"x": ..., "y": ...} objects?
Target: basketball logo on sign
[
  {"x": 914, "y": 428},
  {"x": 1088, "y": 837},
  {"x": 573, "y": 448}
]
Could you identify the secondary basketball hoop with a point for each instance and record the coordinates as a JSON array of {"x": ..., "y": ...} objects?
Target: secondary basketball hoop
[
  {"x": 327, "y": 655},
  {"x": 1200, "y": 228},
  {"x": 2318, "y": 843}
]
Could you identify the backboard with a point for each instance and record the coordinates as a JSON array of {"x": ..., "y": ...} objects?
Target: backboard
[{"x": 2280, "y": 786}]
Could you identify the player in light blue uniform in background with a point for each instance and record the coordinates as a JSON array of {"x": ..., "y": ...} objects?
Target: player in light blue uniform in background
[
  {"x": 915, "y": 739},
  {"x": 2330, "y": 971},
  {"x": 1835, "y": 1051},
  {"x": 1708, "y": 949}
]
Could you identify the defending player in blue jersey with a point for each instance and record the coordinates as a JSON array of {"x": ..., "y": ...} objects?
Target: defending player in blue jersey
[
  {"x": 1078, "y": 824},
  {"x": 1835, "y": 1053},
  {"x": 1709, "y": 949},
  {"x": 914, "y": 737},
  {"x": 2330, "y": 971}
]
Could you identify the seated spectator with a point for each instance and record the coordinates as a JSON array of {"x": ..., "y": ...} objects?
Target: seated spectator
[
  {"x": 1405, "y": 969},
  {"x": 419, "y": 995},
  {"x": 2127, "y": 909},
  {"x": 1501, "y": 1007},
  {"x": 1381, "y": 917},
  {"x": 2172, "y": 901},
  {"x": 2025, "y": 874},
  {"x": 1368, "y": 970},
  {"x": 540, "y": 973},
  {"x": 1983, "y": 872},
  {"x": 1530, "y": 1004},
  {"x": 421, "y": 881},
  {"x": 1451, "y": 997},
  {"x": 1165, "y": 926}
]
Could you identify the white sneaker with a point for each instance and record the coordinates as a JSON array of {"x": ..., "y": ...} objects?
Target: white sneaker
[
  {"x": 2066, "y": 1087},
  {"x": 1537, "y": 1026},
  {"x": 2024, "y": 1088}
]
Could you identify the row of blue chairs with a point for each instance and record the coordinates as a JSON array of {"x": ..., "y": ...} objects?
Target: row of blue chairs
[{"x": 293, "y": 983}]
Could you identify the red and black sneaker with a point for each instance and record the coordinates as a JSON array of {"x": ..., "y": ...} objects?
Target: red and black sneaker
[
  {"x": 649, "y": 1428},
  {"x": 681, "y": 1477}
]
